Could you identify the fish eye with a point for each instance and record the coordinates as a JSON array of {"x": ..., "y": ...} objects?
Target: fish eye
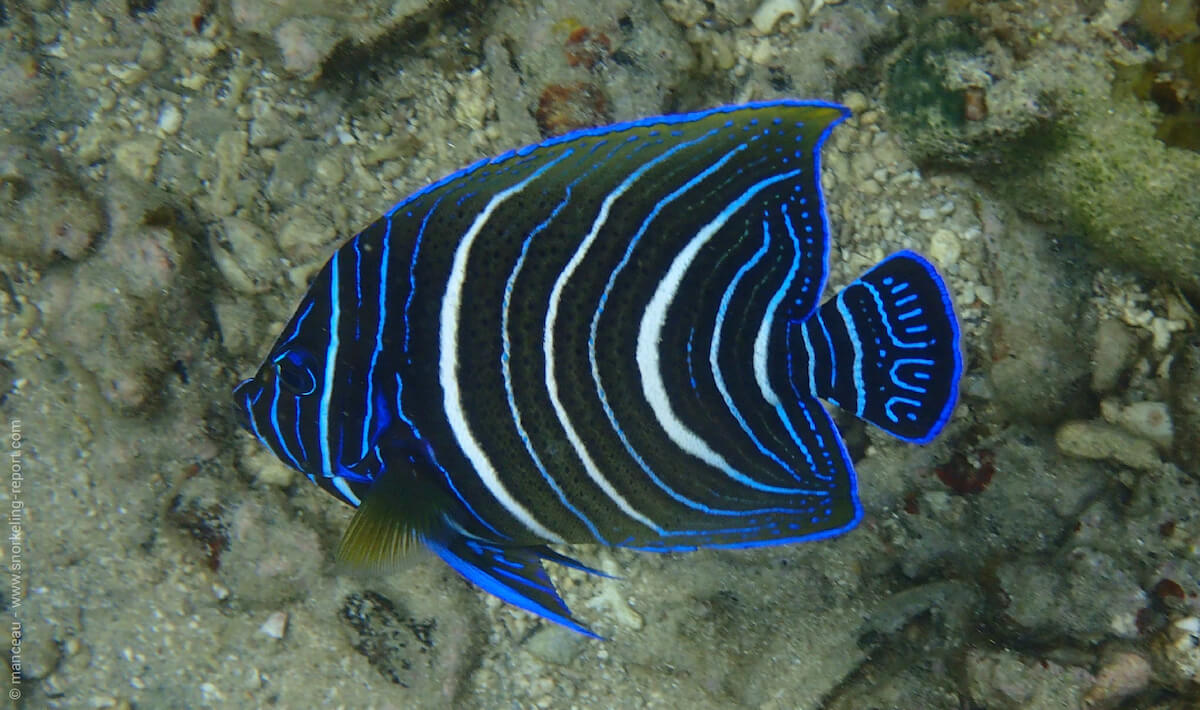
[{"x": 295, "y": 370}]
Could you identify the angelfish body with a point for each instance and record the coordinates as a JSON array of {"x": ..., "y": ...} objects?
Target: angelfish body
[{"x": 610, "y": 337}]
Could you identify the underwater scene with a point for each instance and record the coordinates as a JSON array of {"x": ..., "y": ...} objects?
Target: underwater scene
[{"x": 782, "y": 354}]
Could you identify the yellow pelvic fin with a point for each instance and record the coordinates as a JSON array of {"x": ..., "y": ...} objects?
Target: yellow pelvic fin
[{"x": 390, "y": 524}]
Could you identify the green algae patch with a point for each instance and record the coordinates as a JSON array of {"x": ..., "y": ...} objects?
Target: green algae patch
[
  {"x": 928, "y": 109},
  {"x": 921, "y": 95},
  {"x": 1056, "y": 141},
  {"x": 944, "y": 100},
  {"x": 1131, "y": 197}
]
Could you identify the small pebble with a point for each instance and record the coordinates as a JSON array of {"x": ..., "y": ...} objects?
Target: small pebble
[
  {"x": 1097, "y": 440},
  {"x": 138, "y": 157},
  {"x": 1149, "y": 420},
  {"x": 944, "y": 248},
  {"x": 1115, "y": 346},
  {"x": 869, "y": 187},
  {"x": 170, "y": 120},
  {"x": 771, "y": 12},
  {"x": 1124, "y": 675},
  {"x": 856, "y": 101},
  {"x": 276, "y": 625},
  {"x": 330, "y": 170}
]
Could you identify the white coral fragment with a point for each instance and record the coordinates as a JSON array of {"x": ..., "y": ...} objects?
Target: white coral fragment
[{"x": 771, "y": 12}]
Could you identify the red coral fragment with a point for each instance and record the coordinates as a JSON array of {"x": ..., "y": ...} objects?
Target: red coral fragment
[
  {"x": 586, "y": 49},
  {"x": 1168, "y": 588},
  {"x": 565, "y": 107},
  {"x": 970, "y": 473}
]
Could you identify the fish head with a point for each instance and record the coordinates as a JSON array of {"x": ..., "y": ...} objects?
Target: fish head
[
  {"x": 319, "y": 401},
  {"x": 282, "y": 403}
]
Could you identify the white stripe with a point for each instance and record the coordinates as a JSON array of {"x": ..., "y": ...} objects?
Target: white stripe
[
  {"x": 650, "y": 334},
  {"x": 556, "y": 292},
  {"x": 860, "y": 395},
  {"x": 344, "y": 488},
  {"x": 331, "y": 350},
  {"x": 448, "y": 362},
  {"x": 812, "y": 357},
  {"x": 764, "y": 328}
]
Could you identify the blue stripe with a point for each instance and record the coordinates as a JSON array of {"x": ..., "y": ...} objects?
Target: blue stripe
[
  {"x": 713, "y": 355},
  {"x": 412, "y": 268},
  {"x": 283, "y": 445},
  {"x": 887, "y": 325},
  {"x": 771, "y": 307},
  {"x": 357, "y": 285},
  {"x": 250, "y": 415},
  {"x": 433, "y": 459},
  {"x": 297, "y": 325},
  {"x": 369, "y": 419},
  {"x": 343, "y": 487},
  {"x": 299, "y": 435},
  {"x": 507, "y": 370},
  {"x": 737, "y": 204}
]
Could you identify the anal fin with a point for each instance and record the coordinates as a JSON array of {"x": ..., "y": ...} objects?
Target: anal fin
[{"x": 514, "y": 574}]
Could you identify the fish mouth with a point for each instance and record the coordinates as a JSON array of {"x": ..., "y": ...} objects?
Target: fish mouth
[{"x": 245, "y": 395}]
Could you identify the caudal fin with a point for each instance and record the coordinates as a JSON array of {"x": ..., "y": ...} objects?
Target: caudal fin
[{"x": 885, "y": 348}]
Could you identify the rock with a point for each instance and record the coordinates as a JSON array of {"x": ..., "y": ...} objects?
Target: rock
[
  {"x": 1040, "y": 363},
  {"x": 1184, "y": 404},
  {"x": 554, "y": 644},
  {"x": 1003, "y": 680},
  {"x": 1062, "y": 146},
  {"x": 170, "y": 120},
  {"x": 1177, "y": 653},
  {"x": 1116, "y": 344},
  {"x": 304, "y": 43},
  {"x": 44, "y": 214},
  {"x": 293, "y": 169},
  {"x": 1122, "y": 676},
  {"x": 244, "y": 255},
  {"x": 305, "y": 237},
  {"x": 268, "y": 130},
  {"x": 306, "y": 33},
  {"x": 638, "y": 63},
  {"x": 271, "y": 558},
  {"x": 1096, "y": 182},
  {"x": 945, "y": 248},
  {"x": 1097, "y": 440},
  {"x": 239, "y": 324},
  {"x": 770, "y": 12},
  {"x": 1087, "y": 595},
  {"x": 735, "y": 12},
  {"x": 1148, "y": 420},
  {"x": 139, "y": 157},
  {"x": 949, "y": 602}
]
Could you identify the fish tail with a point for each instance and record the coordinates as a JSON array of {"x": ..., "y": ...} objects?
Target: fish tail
[{"x": 886, "y": 348}]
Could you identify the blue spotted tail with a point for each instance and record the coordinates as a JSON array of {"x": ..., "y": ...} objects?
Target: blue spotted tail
[{"x": 885, "y": 348}]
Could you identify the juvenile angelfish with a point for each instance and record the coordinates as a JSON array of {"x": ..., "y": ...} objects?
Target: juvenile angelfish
[{"x": 609, "y": 337}]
